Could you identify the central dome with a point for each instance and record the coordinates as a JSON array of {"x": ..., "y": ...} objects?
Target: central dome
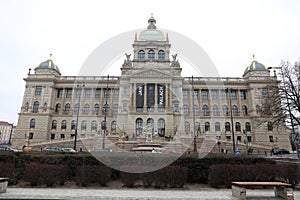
[{"x": 151, "y": 33}]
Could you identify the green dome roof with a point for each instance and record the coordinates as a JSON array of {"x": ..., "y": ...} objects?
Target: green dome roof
[
  {"x": 255, "y": 66},
  {"x": 48, "y": 64},
  {"x": 151, "y": 33}
]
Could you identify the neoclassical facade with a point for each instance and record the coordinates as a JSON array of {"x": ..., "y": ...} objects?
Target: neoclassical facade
[{"x": 151, "y": 96}]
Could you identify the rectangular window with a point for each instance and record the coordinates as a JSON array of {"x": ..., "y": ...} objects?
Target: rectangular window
[
  {"x": 97, "y": 93},
  {"x": 88, "y": 93},
  {"x": 62, "y": 136},
  {"x": 214, "y": 94},
  {"x": 52, "y": 136},
  {"x": 125, "y": 106},
  {"x": 195, "y": 94},
  {"x": 224, "y": 94},
  {"x": 265, "y": 92},
  {"x": 77, "y": 92},
  {"x": 175, "y": 91},
  {"x": 233, "y": 94},
  {"x": 239, "y": 138},
  {"x": 59, "y": 92},
  {"x": 185, "y": 94},
  {"x": 38, "y": 90},
  {"x": 116, "y": 93},
  {"x": 204, "y": 94},
  {"x": 106, "y": 94},
  {"x": 69, "y": 93},
  {"x": 30, "y": 137},
  {"x": 243, "y": 94},
  {"x": 176, "y": 107},
  {"x": 125, "y": 90}
]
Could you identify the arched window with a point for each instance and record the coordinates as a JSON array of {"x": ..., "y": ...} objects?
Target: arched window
[
  {"x": 113, "y": 126},
  {"x": 197, "y": 127},
  {"x": 32, "y": 123},
  {"x": 115, "y": 109},
  {"x": 150, "y": 124},
  {"x": 106, "y": 109},
  {"x": 94, "y": 125},
  {"x": 54, "y": 124},
  {"x": 161, "y": 55},
  {"x": 186, "y": 127},
  {"x": 36, "y": 106},
  {"x": 138, "y": 126},
  {"x": 151, "y": 55},
  {"x": 161, "y": 127},
  {"x": 67, "y": 107},
  {"x": 185, "y": 109},
  {"x": 86, "y": 108},
  {"x": 217, "y": 127},
  {"x": 96, "y": 108},
  {"x": 73, "y": 125},
  {"x": 270, "y": 126},
  {"x": 103, "y": 125},
  {"x": 57, "y": 107},
  {"x": 238, "y": 127},
  {"x": 225, "y": 110},
  {"x": 207, "y": 127},
  {"x": 248, "y": 127},
  {"x": 215, "y": 110},
  {"x": 63, "y": 124},
  {"x": 141, "y": 55},
  {"x": 83, "y": 125},
  {"x": 244, "y": 110},
  {"x": 196, "y": 109},
  {"x": 235, "y": 110},
  {"x": 205, "y": 110},
  {"x": 76, "y": 108},
  {"x": 227, "y": 126}
]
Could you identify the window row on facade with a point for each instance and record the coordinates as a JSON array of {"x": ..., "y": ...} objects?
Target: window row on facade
[
  {"x": 214, "y": 94},
  {"x": 150, "y": 55},
  {"x": 215, "y": 111}
]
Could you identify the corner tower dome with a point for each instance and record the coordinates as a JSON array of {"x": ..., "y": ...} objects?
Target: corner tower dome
[
  {"x": 49, "y": 65},
  {"x": 255, "y": 66},
  {"x": 151, "y": 33}
]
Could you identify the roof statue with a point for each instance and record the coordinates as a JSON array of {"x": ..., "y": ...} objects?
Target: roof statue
[
  {"x": 127, "y": 61},
  {"x": 175, "y": 63}
]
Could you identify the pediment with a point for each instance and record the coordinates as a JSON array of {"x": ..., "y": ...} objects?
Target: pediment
[{"x": 155, "y": 73}]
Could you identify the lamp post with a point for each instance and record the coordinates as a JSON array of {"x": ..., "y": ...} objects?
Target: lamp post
[
  {"x": 245, "y": 138},
  {"x": 194, "y": 133},
  {"x": 228, "y": 91},
  {"x": 79, "y": 87},
  {"x": 104, "y": 125}
]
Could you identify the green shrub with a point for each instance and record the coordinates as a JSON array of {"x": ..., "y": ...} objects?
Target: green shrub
[
  {"x": 87, "y": 175},
  {"x": 222, "y": 175}
]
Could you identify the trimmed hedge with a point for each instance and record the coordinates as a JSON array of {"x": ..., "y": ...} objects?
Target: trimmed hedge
[
  {"x": 222, "y": 175},
  {"x": 193, "y": 170}
]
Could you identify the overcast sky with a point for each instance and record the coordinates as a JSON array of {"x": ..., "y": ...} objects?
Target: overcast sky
[{"x": 229, "y": 31}]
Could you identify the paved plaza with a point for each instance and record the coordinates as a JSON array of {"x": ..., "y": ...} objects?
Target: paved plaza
[{"x": 133, "y": 194}]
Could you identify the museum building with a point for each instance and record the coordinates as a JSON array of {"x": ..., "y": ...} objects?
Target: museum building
[{"x": 150, "y": 96}]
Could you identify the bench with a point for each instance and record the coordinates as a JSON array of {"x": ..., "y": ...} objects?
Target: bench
[
  {"x": 3, "y": 184},
  {"x": 283, "y": 190}
]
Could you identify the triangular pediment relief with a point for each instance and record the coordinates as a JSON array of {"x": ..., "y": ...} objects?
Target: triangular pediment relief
[{"x": 155, "y": 73}]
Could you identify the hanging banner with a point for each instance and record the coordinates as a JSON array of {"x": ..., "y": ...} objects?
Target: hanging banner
[
  {"x": 139, "y": 96},
  {"x": 150, "y": 95},
  {"x": 161, "y": 93}
]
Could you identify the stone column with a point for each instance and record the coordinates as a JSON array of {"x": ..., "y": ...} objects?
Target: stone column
[{"x": 145, "y": 97}]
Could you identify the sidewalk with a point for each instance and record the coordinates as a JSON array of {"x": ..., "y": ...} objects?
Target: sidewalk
[{"x": 136, "y": 194}]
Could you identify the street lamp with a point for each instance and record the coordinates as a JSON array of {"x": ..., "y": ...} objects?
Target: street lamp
[
  {"x": 245, "y": 138},
  {"x": 79, "y": 87},
  {"x": 228, "y": 91},
  {"x": 194, "y": 133},
  {"x": 105, "y": 109}
]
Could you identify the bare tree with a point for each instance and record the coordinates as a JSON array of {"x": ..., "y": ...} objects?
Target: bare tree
[{"x": 282, "y": 104}]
